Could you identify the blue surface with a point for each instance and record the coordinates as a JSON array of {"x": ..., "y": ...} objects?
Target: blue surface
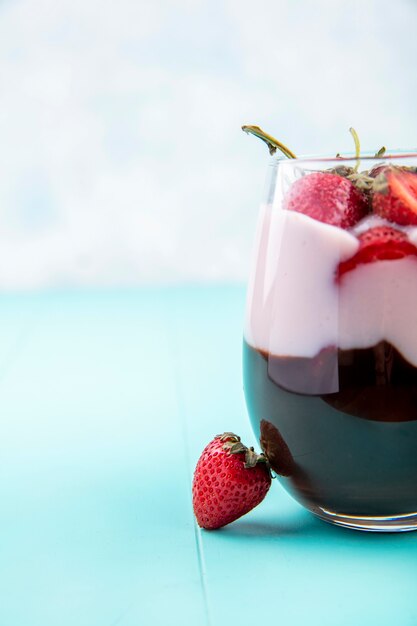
[{"x": 106, "y": 402}]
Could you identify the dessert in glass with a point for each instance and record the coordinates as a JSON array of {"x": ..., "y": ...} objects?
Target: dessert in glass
[{"x": 330, "y": 337}]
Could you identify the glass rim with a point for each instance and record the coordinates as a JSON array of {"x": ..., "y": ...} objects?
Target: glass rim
[{"x": 349, "y": 158}]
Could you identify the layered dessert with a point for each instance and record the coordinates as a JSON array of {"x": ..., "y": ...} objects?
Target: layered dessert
[{"x": 330, "y": 339}]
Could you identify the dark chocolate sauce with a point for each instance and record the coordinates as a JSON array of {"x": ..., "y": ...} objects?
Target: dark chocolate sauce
[{"x": 347, "y": 420}]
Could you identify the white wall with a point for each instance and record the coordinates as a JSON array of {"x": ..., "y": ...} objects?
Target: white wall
[{"x": 121, "y": 156}]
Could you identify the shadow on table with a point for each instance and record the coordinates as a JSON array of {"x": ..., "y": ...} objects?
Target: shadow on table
[{"x": 303, "y": 525}]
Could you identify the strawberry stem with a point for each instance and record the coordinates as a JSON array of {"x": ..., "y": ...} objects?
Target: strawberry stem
[
  {"x": 357, "y": 147},
  {"x": 272, "y": 143},
  {"x": 380, "y": 152},
  {"x": 233, "y": 445}
]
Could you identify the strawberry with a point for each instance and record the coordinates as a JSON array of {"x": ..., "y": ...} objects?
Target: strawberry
[
  {"x": 229, "y": 481},
  {"x": 395, "y": 195},
  {"x": 381, "y": 243},
  {"x": 327, "y": 197}
]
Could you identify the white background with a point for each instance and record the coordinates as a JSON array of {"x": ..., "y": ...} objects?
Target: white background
[{"x": 121, "y": 156}]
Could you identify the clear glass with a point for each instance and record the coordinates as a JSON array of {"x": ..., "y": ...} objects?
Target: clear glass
[{"x": 330, "y": 363}]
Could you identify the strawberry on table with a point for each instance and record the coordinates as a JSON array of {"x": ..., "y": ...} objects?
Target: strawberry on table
[
  {"x": 395, "y": 195},
  {"x": 229, "y": 481},
  {"x": 380, "y": 243},
  {"x": 328, "y": 198}
]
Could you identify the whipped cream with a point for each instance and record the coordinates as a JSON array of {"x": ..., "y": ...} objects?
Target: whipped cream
[{"x": 295, "y": 305}]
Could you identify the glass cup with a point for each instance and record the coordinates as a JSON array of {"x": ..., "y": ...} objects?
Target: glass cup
[{"x": 330, "y": 355}]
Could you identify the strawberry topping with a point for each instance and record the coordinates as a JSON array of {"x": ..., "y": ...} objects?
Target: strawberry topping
[
  {"x": 381, "y": 243},
  {"x": 395, "y": 195},
  {"x": 328, "y": 198}
]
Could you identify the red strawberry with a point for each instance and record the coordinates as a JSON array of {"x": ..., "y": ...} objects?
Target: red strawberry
[
  {"x": 229, "y": 481},
  {"x": 381, "y": 243},
  {"x": 328, "y": 198},
  {"x": 395, "y": 195}
]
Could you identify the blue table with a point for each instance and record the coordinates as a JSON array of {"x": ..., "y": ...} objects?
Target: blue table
[{"x": 106, "y": 401}]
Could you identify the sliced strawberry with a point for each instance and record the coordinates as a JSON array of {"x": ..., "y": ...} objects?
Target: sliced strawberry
[
  {"x": 395, "y": 195},
  {"x": 328, "y": 198},
  {"x": 381, "y": 243}
]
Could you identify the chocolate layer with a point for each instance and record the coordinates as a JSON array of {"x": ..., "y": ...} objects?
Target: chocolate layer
[{"x": 349, "y": 421}]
